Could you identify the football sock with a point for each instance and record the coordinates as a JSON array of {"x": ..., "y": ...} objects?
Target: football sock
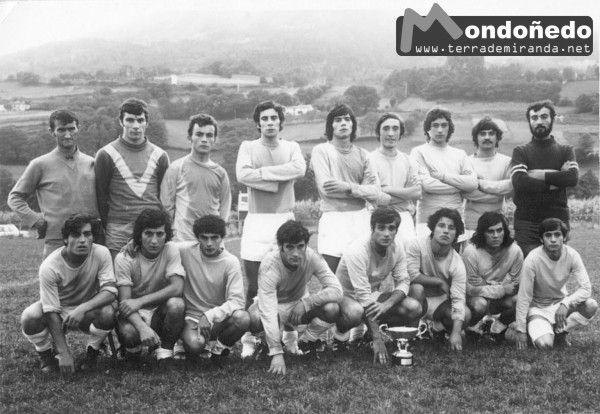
[
  {"x": 162, "y": 353},
  {"x": 575, "y": 321},
  {"x": 41, "y": 341},
  {"x": 358, "y": 332},
  {"x": 315, "y": 328},
  {"x": 290, "y": 339},
  {"x": 345, "y": 336},
  {"x": 497, "y": 327},
  {"x": 96, "y": 337}
]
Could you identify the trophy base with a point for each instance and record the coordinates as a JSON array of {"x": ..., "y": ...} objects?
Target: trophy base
[{"x": 404, "y": 359}]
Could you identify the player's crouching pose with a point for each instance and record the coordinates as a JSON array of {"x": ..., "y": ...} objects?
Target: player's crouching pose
[
  {"x": 150, "y": 282},
  {"x": 283, "y": 297},
  {"x": 544, "y": 310},
  {"x": 77, "y": 287},
  {"x": 366, "y": 263},
  {"x": 213, "y": 291},
  {"x": 438, "y": 277}
]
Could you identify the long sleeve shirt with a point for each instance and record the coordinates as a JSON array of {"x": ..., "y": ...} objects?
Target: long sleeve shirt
[
  {"x": 278, "y": 284},
  {"x": 63, "y": 285},
  {"x": 351, "y": 166},
  {"x": 494, "y": 186},
  {"x": 190, "y": 190},
  {"x": 533, "y": 198},
  {"x": 460, "y": 177},
  {"x": 63, "y": 186},
  {"x": 269, "y": 172},
  {"x": 146, "y": 276},
  {"x": 396, "y": 171},
  {"x": 362, "y": 270},
  {"x": 544, "y": 282},
  {"x": 214, "y": 286},
  {"x": 486, "y": 273},
  {"x": 421, "y": 261}
]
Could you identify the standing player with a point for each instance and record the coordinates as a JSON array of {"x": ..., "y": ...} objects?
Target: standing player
[
  {"x": 545, "y": 310},
  {"x": 63, "y": 181},
  {"x": 268, "y": 166},
  {"x": 283, "y": 297},
  {"x": 77, "y": 288},
  {"x": 398, "y": 173},
  {"x": 445, "y": 171},
  {"x": 493, "y": 173},
  {"x": 346, "y": 181},
  {"x": 129, "y": 172},
  {"x": 493, "y": 263},
  {"x": 213, "y": 291},
  {"x": 438, "y": 276},
  {"x": 365, "y": 265},
  {"x": 542, "y": 170},
  {"x": 195, "y": 185}
]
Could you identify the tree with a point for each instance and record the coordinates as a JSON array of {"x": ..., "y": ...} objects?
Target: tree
[
  {"x": 569, "y": 74},
  {"x": 7, "y": 182},
  {"x": 585, "y": 151},
  {"x": 13, "y": 146},
  {"x": 587, "y": 187},
  {"x": 28, "y": 78},
  {"x": 362, "y": 98},
  {"x": 585, "y": 102},
  {"x": 305, "y": 188}
]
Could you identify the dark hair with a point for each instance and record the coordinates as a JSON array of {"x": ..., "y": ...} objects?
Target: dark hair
[
  {"x": 292, "y": 231},
  {"x": 75, "y": 222},
  {"x": 150, "y": 219},
  {"x": 450, "y": 213},
  {"x": 484, "y": 124},
  {"x": 551, "y": 224},
  {"x": 263, "y": 106},
  {"x": 536, "y": 106},
  {"x": 63, "y": 115},
  {"x": 202, "y": 120},
  {"x": 340, "y": 109},
  {"x": 385, "y": 117},
  {"x": 435, "y": 113},
  {"x": 210, "y": 224},
  {"x": 487, "y": 220},
  {"x": 384, "y": 215},
  {"x": 133, "y": 106}
]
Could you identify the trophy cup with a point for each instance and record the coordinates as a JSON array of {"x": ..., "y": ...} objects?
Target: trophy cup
[{"x": 402, "y": 335}]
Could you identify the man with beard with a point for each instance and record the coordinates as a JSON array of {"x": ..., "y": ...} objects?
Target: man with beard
[{"x": 541, "y": 172}]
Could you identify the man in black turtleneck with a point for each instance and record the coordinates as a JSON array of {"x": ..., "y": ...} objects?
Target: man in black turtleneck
[{"x": 541, "y": 171}]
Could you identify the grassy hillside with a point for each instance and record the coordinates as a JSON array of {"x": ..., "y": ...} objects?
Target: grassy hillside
[{"x": 572, "y": 90}]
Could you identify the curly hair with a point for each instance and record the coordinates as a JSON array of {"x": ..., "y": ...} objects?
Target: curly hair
[
  {"x": 133, "y": 106},
  {"x": 292, "y": 231},
  {"x": 551, "y": 224},
  {"x": 486, "y": 123},
  {"x": 536, "y": 106},
  {"x": 340, "y": 109},
  {"x": 487, "y": 220},
  {"x": 210, "y": 224},
  {"x": 450, "y": 213},
  {"x": 151, "y": 219},
  {"x": 436, "y": 113},
  {"x": 75, "y": 222}
]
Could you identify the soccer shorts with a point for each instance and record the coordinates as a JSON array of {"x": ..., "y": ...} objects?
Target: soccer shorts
[
  {"x": 337, "y": 229},
  {"x": 540, "y": 321},
  {"x": 406, "y": 231},
  {"x": 258, "y": 237},
  {"x": 433, "y": 303}
]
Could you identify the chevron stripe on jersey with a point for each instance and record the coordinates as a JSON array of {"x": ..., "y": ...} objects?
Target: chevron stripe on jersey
[{"x": 137, "y": 185}]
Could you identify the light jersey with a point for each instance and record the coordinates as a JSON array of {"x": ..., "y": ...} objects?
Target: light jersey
[
  {"x": 278, "y": 284},
  {"x": 146, "y": 276},
  {"x": 269, "y": 172},
  {"x": 361, "y": 270},
  {"x": 486, "y": 273},
  {"x": 544, "y": 282},
  {"x": 62, "y": 185},
  {"x": 191, "y": 189},
  {"x": 214, "y": 286},
  {"x": 495, "y": 186},
  {"x": 352, "y": 166},
  {"x": 62, "y": 285},
  {"x": 396, "y": 171},
  {"x": 420, "y": 261},
  {"x": 128, "y": 179},
  {"x": 451, "y": 161}
]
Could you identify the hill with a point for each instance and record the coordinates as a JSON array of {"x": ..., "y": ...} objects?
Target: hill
[{"x": 572, "y": 90}]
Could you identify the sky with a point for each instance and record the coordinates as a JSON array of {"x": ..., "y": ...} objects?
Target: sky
[{"x": 26, "y": 24}]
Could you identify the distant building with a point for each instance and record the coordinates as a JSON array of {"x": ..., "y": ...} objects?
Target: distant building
[
  {"x": 209, "y": 79},
  {"x": 298, "y": 110},
  {"x": 20, "y": 106},
  {"x": 2, "y": 108}
]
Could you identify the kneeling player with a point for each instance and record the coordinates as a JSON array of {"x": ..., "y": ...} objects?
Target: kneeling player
[
  {"x": 283, "y": 297},
  {"x": 493, "y": 263},
  {"x": 438, "y": 276},
  {"x": 543, "y": 308},
  {"x": 150, "y": 281},
  {"x": 365, "y": 264},
  {"x": 77, "y": 287},
  {"x": 213, "y": 291}
]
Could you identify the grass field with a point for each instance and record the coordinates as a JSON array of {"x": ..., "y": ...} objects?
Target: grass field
[
  {"x": 572, "y": 90},
  {"x": 483, "y": 378}
]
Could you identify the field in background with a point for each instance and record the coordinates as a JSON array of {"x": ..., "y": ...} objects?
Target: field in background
[
  {"x": 572, "y": 90},
  {"x": 482, "y": 378}
]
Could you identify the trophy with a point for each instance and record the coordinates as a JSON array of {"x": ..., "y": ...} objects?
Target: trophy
[{"x": 402, "y": 335}]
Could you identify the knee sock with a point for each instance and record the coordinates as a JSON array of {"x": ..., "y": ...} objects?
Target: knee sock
[
  {"x": 96, "y": 337},
  {"x": 315, "y": 328},
  {"x": 358, "y": 332},
  {"x": 162, "y": 353},
  {"x": 345, "y": 336},
  {"x": 42, "y": 341},
  {"x": 497, "y": 326},
  {"x": 218, "y": 347},
  {"x": 290, "y": 339}
]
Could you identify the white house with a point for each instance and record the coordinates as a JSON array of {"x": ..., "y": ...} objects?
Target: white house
[{"x": 298, "y": 109}]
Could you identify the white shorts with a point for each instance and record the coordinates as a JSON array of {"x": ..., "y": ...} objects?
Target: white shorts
[
  {"x": 259, "y": 234},
  {"x": 433, "y": 303},
  {"x": 407, "y": 231},
  {"x": 337, "y": 229},
  {"x": 543, "y": 323},
  {"x": 147, "y": 315}
]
